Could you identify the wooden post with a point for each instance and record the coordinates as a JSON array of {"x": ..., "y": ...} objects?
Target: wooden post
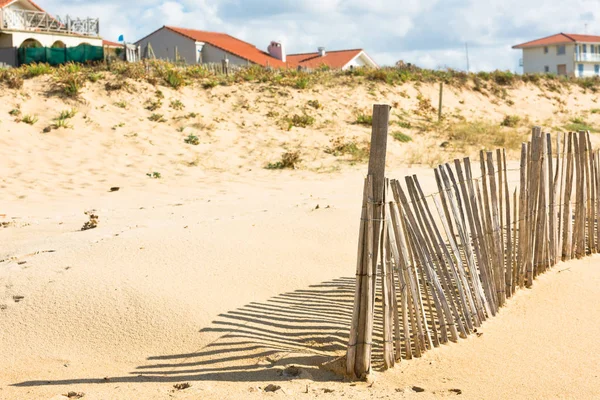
[
  {"x": 225, "y": 65},
  {"x": 362, "y": 339},
  {"x": 440, "y": 105}
]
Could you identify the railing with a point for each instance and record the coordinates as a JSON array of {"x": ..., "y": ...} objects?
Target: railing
[
  {"x": 582, "y": 57},
  {"x": 41, "y": 21}
]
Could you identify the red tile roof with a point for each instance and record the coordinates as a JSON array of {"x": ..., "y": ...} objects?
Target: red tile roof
[
  {"x": 4, "y": 3},
  {"x": 559, "y": 38},
  {"x": 231, "y": 45},
  {"x": 111, "y": 44},
  {"x": 333, "y": 59}
]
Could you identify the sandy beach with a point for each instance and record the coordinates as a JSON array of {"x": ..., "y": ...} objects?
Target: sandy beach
[{"x": 223, "y": 274}]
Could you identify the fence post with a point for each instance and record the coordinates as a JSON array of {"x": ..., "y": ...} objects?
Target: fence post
[
  {"x": 225, "y": 65},
  {"x": 440, "y": 104},
  {"x": 361, "y": 333}
]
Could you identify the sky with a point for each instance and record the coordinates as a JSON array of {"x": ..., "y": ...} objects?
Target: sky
[{"x": 428, "y": 33}]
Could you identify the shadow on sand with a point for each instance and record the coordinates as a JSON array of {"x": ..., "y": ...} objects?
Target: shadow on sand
[{"x": 305, "y": 328}]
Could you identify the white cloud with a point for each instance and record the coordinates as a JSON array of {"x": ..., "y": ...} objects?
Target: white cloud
[{"x": 429, "y": 33}]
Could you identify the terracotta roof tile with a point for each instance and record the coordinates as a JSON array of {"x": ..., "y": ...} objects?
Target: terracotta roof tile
[
  {"x": 231, "y": 45},
  {"x": 4, "y": 3},
  {"x": 333, "y": 59},
  {"x": 111, "y": 44},
  {"x": 559, "y": 38}
]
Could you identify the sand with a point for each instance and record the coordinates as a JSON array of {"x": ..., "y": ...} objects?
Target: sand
[{"x": 222, "y": 274}]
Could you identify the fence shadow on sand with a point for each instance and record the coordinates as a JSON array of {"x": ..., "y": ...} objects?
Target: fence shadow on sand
[{"x": 305, "y": 328}]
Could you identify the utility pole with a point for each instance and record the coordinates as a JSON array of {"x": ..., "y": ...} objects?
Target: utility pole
[{"x": 467, "y": 51}]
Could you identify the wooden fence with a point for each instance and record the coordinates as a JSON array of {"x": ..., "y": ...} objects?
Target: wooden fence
[{"x": 444, "y": 263}]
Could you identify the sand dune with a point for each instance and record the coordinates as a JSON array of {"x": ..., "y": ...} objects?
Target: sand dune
[{"x": 222, "y": 273}]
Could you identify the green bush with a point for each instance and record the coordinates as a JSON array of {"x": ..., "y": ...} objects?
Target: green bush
[
  {"x": 192, "y": 139},
  {"x": 401, "y": 137},
  {"x": 289, "y": 160},
  {"x": 510, "y": 121}
]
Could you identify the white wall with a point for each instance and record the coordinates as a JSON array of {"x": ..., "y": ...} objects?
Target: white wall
[
  {"x": 588, "y": 69},
  {"x": 164, "y": 42},
  {"x": 534, "y": 59},
  {"x": 48, "y": 39}
]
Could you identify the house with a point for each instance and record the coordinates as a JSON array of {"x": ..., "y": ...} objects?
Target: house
[
  {"x": 203, "y": 47},
  {"x": 337, "y": 59},
  {"x": 25, "y": 24},
  {"x": 562, "y": 54}
]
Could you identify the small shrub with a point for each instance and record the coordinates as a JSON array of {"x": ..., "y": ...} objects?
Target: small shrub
[
  {"x": 363, "y": 119},
  {"x": 401, "y": 137},
  {"x": 33, "y": 70},
  {"x": 95, "y": 76},
  {"x": 510, "y": 121},
  {"x": 300, "y": 121},
  {"x": 595, "y": 110},
  {"x": 15, "y": 112},
  {"x": 315, "y": 104},
  {"x": 341, "y": 146},
  {"x": 12, "y": 78},
  {"x": 190, "y": 115},
  {"x": 61, "y": 123},
  {"x": 121, "y": 104},
  {"x": 157, "y": 118},
  {"x": 154, "y": 175},
  {"x": 153, "y": 105},
  {"x": 289, "y": 160},
  {"x": 159, "y": 94},
  {"x": 272, "y": 114},
  {"x": 405, "y": 124},
  {"x": 301, "y": 83},
  {"x": 176, "y": 105},
  {"x": 192, "y": 139},
  {"x": 30, "y": 119},
  {"x": 66, "y": 114},
  {"x": 210, "y": 84},
  {"x": 174, "y": 78}
]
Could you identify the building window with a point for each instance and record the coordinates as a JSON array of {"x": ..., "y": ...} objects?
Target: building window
[
  {"x": 584, "y": 48},
  {"x": 546, "y": 68},
  {"x": 560, "y": 50},
  {"x": 597, "y": 69},
  {"x": 592, "y": 48},
  {"x": 545, "y": 49},
  {"x": 580, "y": 70}
]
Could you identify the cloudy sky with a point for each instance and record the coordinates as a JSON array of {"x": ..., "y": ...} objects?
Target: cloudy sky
[{"x": 429, "y": 33}]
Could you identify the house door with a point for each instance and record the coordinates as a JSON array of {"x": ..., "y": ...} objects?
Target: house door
[
  {"x": 580, "y": 70},
  {"x": 561, "y": 69}
]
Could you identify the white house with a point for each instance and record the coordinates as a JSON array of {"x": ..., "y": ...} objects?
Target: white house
[
  {"x": 199, "y": 47},
  {"x": 562, "y": 54},
  {"x": 337, "y": 59},
  {"x": 24, "y": 24}
]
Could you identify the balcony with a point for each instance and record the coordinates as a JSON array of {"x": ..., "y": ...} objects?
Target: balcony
[
  {"x": 25, "y": 20},
  {"x": 587, "y": 57}
]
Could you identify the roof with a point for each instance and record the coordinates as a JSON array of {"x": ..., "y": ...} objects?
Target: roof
[
  {"x": 559, "y": 38},
  {"x": 333, "y": 59},
  {"x": 111, "y": 44},
  {"x": 4, "y": 3},
  {"x": 229, "y": 44}
]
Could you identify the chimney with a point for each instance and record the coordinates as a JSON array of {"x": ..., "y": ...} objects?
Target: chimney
[
  {"x": 322, "y": 51},
  {"x": 277, "y": 50}
]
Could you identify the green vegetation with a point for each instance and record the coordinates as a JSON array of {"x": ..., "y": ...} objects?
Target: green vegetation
[
  {"x": 341, "y": 146},
  {"x": 15, "y": 112},
  {"x": 579, "y": 124},
  {"x": 192, "y": 139},
  {"x": 121, "y": 104},
  {"x": 176, "y": 105},
  {"x": 157, "y": 118},
  {"x": 30, "y": 119},
  {"x": 510, "y": 121},
  {"x": 363, "y": 119},
  {"x": 299, "y": 121},
  {"x": 154, "y": 175},
  {"x": 401, "y": 137},
  {"x": 289, "y": 159},
  {"x": 484, "y": 135},
  {"x": 66, "y": 114},
  {"x": 315, "y": 104}
]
